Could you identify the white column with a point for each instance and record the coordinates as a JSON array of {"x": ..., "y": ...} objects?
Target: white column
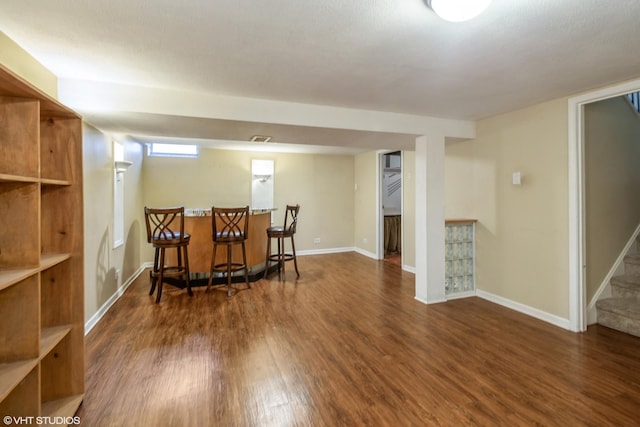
[{"x": 429, "y": 184}]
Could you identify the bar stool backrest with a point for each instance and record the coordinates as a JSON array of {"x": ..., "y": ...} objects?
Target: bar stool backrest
[
  {"x": 230, "y": 224},
  {"x": 291, "y": 218},
  {"x": 165, "y": 225}
]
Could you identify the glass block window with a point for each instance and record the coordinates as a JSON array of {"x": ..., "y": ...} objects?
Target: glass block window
[{"x": 459, "y": 257}]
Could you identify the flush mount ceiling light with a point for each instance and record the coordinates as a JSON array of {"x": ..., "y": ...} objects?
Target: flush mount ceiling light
[{"x": 458, "y": 10}]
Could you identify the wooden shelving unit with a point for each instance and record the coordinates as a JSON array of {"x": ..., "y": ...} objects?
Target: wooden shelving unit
[{"x": 41, "y": 253}]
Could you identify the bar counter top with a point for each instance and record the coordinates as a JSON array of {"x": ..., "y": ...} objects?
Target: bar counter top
[{"x": 193, "y": 212}]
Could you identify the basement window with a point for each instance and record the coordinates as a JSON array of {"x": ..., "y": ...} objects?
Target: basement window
[{"x": 173, "y": 150}]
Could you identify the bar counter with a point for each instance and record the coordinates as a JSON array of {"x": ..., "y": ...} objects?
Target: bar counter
[{"x": 197, "y": 223}]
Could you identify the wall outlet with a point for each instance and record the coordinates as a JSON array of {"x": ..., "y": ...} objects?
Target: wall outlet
[
  {"x": 316, "y": 241},
  {"x": 365, "y": 240},
  {"x": 117, "y": 276}
]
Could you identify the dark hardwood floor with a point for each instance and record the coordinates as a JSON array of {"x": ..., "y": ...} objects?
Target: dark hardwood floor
[{"x": 347, "y": 344}]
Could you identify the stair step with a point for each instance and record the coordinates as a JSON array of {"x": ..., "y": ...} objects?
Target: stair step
[
  {"x": 622, "y": 314},
  {"x": 632, "y": 264},
  {"x": 626, "y": 286}
]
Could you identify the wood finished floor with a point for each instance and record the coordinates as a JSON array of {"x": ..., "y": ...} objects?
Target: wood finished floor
[{"x": 347, "y": 344}]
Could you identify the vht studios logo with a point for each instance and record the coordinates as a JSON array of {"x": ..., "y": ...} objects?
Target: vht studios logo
[{"x": 8, "y": 420}]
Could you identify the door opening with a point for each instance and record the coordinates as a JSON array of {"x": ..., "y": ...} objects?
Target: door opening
[{"x": 391, "y": 206}]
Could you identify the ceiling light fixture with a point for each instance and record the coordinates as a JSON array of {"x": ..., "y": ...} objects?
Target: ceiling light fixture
[{"x": 458, "y": 10}]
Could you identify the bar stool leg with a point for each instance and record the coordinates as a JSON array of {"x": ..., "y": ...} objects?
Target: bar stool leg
[
  {"x": 186, "y": 271},
  {"x": 160, "y": 275},
  {"x": 293, "y": 251},
  {"x": 213, "y": 263},
  {"x": 266, "y": 261},
  {"x": 280, "y": 264},
  {"x": 281, "y": 249},
  {"x": 246, "y": 269},
  {"x": 154, "y": 272},
  {"x": 228, "y": 270}
]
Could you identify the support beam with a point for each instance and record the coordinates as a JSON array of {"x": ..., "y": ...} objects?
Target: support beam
[{"x": 429, "y": 228}]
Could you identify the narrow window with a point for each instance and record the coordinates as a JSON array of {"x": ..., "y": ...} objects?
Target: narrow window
[{"x": 173, "y": 150}]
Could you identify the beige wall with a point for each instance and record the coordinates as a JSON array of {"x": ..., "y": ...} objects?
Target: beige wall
[
  {"x": 101, "y": 259},
  {"x": 522, "y": 231},
  {"x": 459, "y": 167},
  {"x": 364, "y": 234},
  {"x": 321, "y": 184},
  {"x": 612, "y": 180},
  {"x": 20, "y": 62}
]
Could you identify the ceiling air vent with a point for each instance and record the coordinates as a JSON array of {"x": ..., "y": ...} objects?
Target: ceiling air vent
[{"x": 260, "y": 138}]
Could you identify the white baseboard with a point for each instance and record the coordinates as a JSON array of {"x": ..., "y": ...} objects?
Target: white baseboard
[
  {"x": 604, "y": 290},
  {"x": 324, "y": 251},
  {"x": 525, "y": 309},
  {"x": 459, "y": 295},
  {"x": 365, "y": 253},
  {"x": 93, "y": 321},
  {"x": 424, "y": 301},
  {"x": 409, "y": 268}
]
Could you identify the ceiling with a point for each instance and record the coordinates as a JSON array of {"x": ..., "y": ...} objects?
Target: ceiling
[{"x": 391, "y": 56}]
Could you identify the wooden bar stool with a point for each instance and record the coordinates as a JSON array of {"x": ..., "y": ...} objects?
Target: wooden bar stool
[
  {"x": 280, "y": 233},
  {"x": 165, "y": 230},
  {"x": 230, "y": 226}
]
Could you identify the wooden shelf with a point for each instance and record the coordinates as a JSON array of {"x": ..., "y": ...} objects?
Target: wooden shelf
[
  {"x": 11, "y": 277},
  {"x": 62, "y": 407},
  {"x": 41, "y": 253},
  {"x": 12, "y": 373},
  {"x": 54, "y": 182},
  {"x": 50, "y": 337},
  {"x": 13, "y": 85},
  {"x": 50, "y": 260},
  {"x": 17, "y": 178}
]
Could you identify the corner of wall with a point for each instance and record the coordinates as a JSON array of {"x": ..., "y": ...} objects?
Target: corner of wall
[{"x": 26, "y": 66}]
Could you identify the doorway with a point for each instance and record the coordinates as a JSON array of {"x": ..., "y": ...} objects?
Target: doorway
[
  {"x": 390, "y": 204},
  {"x": 577, "y": 259}
]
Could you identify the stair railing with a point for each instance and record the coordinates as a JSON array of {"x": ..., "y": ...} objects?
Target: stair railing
[{"x": 634, "y": 99}]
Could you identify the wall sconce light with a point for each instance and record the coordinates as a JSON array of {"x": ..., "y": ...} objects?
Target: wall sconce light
[
  {"x": 121, "y": 166},
  {"x": 262, "y": 170},
  {"x": 262, "y": 178},
  {"x": 458, "y": 10}
]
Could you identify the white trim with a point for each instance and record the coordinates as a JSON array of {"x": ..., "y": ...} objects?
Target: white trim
[
  {"x": 379, "y": 209},
  {"x": 326, "y": 251},
  {"x": 525, "y": 309},
  {"x": 577, "y": 288},
  {"x": 604, "y": 288},
  {"x": 93, "y": 321},
  {"x": 430, "y": 301},
  {"x": 409, "y": 268},
  {"x": 366, "y": 253},
  {"x": 576, "y": 218},
  {"x": 459, "y": 295}
]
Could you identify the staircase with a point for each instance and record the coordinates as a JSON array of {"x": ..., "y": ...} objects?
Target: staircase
[
  {"x": 634, "y": 100},
  {"x": 622, "y": 310}
]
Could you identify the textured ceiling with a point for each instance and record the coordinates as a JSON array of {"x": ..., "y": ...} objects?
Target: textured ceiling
[{"x": 384, "y": 55}]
